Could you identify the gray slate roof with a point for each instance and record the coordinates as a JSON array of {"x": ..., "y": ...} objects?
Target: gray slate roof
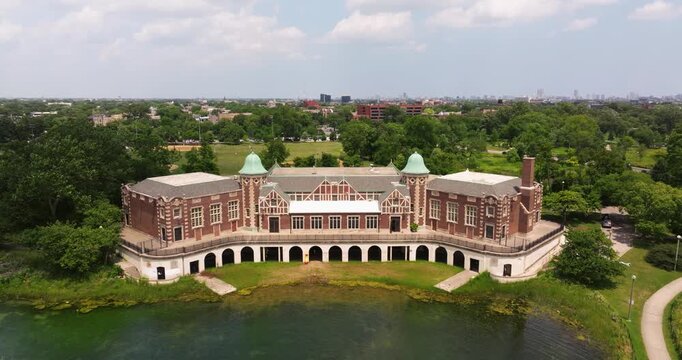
[
  {"x": 509, "y": 187},
  {"x": 154, "y": 188},
  {"x": 308, "y": 183}
]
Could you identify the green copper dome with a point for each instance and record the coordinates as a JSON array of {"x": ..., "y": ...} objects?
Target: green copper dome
[
  {"x": 415, "y": 165},
  {"x": 252, "y": 165}
]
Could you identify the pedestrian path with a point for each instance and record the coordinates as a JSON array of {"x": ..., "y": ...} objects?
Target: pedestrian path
[
  {"x": 456, "y": 281},
  {"x": 216, "y": 285},
  {"x": 652, "y": 320}
]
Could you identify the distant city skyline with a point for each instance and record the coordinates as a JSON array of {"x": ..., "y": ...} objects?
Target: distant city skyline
[{"x": 360, "y": 48}]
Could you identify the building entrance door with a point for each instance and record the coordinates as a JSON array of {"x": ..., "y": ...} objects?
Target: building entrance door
[
  {"x": 274, "y": 224},
  {"x": 395, "y": 223}
]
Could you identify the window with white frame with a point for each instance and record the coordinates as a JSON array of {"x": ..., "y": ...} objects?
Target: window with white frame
[
  {"x": 489, "y": 211},
  {"x": 470, "y": 218},
  {"x": 233, "y": 210},
  {"x": 297, "y": 222},
  {"x": 452, "y": 212},
  {"x": 216, "y": 213},
  {"x": 177, "y": 213},
  {"x": 334, "y": 222},
  {"x": 316, "y": 222},
  {"x": 197, "y": 217},
  {"x": 435, "y": 209},
  {"x": 371, "y": 222},
  {"x": 353, "y": 222}
]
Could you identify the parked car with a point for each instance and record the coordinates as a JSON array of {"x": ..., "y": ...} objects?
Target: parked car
[{"x": 606, "y": 222}]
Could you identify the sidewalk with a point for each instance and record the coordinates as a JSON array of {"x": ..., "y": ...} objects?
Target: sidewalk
[
  {"x": 456, "y": 281},
  {"x": 652, "y": 320},
  {"x": 216, "y": 285}
]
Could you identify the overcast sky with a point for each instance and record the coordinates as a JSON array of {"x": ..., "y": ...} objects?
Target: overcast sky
[{"x": 300, "y": 48}]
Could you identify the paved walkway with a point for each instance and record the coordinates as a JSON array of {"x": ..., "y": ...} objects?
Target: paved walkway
[
  {"x": 652, "y": 320},
  {"x": 216, "y": 285},
  {"x": 456, "y": 281},
  {"x": 622, "y": 232}
]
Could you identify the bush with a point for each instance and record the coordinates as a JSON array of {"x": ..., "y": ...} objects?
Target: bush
[
  {"x": 663, "y": 256},
  {"x": 588, "y": 258},
  {"x": 414, "y": 227}
]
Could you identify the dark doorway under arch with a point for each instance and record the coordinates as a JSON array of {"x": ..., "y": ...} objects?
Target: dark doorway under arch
[
  {"x": 335, "y": 253},
  {"x": 209, "y": 261},
  {"x": 374, "y": 253},
  {"x": 507, "y": 270},
  {"x": 441, "y": 255},
  {"x": 398, "y": 253},
  {"x": 228, "y": 257},
  {"x": 315, "y": 253},
  {"x": 354, "y": 253},
  {"x": 247, "y": 254},
  {"x": 422, "y": 253},
  {"x": 458, "y": 259},
  {"x": 295, "y": 254},
  {"x": 271, "y": 253}
]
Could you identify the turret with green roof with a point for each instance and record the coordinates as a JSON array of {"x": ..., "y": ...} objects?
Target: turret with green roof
[
  {"x": 415, "y": 165},
  {"x": 252, "y": 166}
]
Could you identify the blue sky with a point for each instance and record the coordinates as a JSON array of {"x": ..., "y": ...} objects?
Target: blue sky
[{"x": 362, "y": 48}]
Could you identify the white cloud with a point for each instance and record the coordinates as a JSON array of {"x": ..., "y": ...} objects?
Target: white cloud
[
  {"x": 581, "y": 24},
  {"x": 393, "y": 5},
  {"x": 385, "y": 27},
  {"x": 8, "y": 31},
  {"x": 657, "y": 10},
  {"x": 505, "y": 12}
]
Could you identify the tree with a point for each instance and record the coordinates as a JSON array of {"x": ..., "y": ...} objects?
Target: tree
[
  {"x": 230, "y": 133},
  {"x": 564, "y": 202},
  {"x": 587, "y": 258},
  {"x": 275, "y": 152},
  {"x": 663, "y": 256},
  {"x": 202, "y": 160},
  {"x": 357, "y": 138},
  {"x": 669, "y": 168},
  {"x": 328, "y": 160},
  {"x": 389, "y": 143}
]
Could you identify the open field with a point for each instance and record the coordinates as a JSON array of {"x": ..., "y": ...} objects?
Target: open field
[
  {"x": 498, "y": 164},
  {"x": 419, "y": 274},
  {"x": 649, "y": 279},
  {"x": 646, "y": 160}
]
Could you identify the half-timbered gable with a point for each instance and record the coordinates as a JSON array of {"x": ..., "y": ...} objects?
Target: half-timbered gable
[
  {"x": 395, "y": 202},
  {"x": 334, "y": 191},
  {"x": 273, "y": 201}
]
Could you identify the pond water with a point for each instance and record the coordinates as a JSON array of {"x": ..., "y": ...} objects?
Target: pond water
[{"x": 316, "y": 323}]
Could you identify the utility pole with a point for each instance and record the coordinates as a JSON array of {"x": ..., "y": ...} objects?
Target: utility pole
[
  {"x": 632, "y": 289},
  {"x": 677, "y": 251}
]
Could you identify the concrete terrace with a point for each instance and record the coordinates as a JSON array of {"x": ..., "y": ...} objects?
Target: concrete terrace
[{"x": 143, "y": 243}]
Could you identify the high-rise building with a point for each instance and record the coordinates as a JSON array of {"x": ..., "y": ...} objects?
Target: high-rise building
[
  {"x": 345, "y": 99},
  {"x": 325, "y": 98},
  {"x": 540, "y": 94}
]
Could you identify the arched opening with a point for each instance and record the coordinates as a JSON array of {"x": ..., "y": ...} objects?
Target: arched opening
[
  {"x": 247, "y": 254},
  {"x": 422, "y": 253},
  {"x": 398, "y": 253},
  {"x": 228, "y": 257},
  {"x": 354, "y": 253},
  {"x": 315, "y": 253},
  {"x": 335, "y": 253},
  {"x": 458, "y": 259},
  {"x": 442, "y": 255},
  {"x": 295, "y": 254},
  {"x": 209, "y": 261},
  {"x": 507, "y": 270},
  {"x": 374, "y": 253}
]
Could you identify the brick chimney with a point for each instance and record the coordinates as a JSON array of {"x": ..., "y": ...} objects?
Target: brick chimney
[{"x": 528, "y": 172}]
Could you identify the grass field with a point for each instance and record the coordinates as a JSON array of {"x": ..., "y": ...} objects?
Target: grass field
[
  {"x": 498, "y": 164},
  {"x": 646, "y": 160},
  {"x": 230, "y": 158},
  {"x": 420, "y": 274},
  {"x": 673, "y": 323},
  {"x": 649, "y": 279}
]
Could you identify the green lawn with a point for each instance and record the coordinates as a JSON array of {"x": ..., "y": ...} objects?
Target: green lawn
[
  {"x": 674, "y": 325},
  {"x": 646, "y": 160},
  {"x": 230, "y": 158},
  {"x": 649, "y": 279},
  {"x": 498, "y": 164},
  {"x": 419, "y": 274}
]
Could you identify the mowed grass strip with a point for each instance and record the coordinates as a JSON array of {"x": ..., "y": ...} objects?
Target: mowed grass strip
[
  {"x": 645, "y": 159},
  {"x": 498, "y": 164},
  {"x": 649, "y": 280},
  {"x": 230, "y": 158},
  {"x": 415, "y": 274},
  {"x": 674, "y": 325}
]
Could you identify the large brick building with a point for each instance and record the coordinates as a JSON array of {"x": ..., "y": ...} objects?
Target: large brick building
[
  {"x": 196, "y": 206},
  {"x": 376, "y": 111}
]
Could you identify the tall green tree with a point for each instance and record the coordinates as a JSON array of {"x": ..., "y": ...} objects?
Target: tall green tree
[
  {"x": 275, "y": 152},
  {"x": 565, "y": 202},
  {"x": 202, "y": 160},
  {"x": 669, "y": 168},
  {"x": 357, "y": 138},
  {"x": 587, "y": 258}
]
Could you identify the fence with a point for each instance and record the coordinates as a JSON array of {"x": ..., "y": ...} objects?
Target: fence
[{"x": 152, "y": 247}]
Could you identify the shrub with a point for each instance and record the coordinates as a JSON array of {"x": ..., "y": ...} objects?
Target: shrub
[
  {"x": 414, "y": 227},
  {"x": 663, "y": 256}
]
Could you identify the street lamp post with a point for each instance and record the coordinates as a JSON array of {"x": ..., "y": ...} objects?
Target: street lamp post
[
  {"x": 632, "y": 289},
  {"x": 677, "y": 251}
]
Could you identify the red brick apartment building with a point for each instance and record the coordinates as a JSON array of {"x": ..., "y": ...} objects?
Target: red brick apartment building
[{"x": 376, "y": 111}]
